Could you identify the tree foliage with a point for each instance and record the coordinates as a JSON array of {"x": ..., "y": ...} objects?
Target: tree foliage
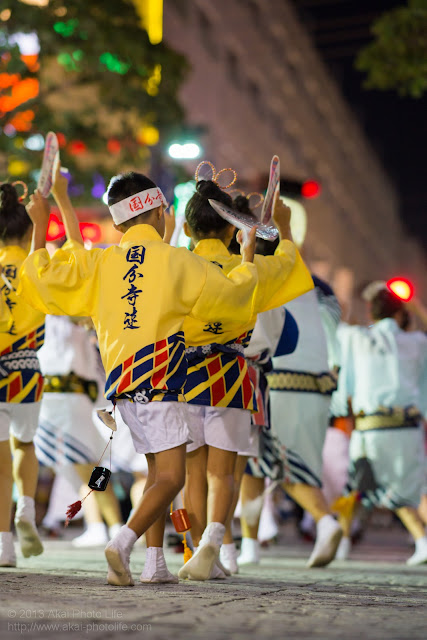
[
  {"x": 397, "y": 58},
  {"x": 100, "y": 83}
]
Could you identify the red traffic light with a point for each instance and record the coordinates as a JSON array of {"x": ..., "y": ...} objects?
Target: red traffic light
[
  {"x": 402, "y": 288},
  {"x": 310, "y": 189}
]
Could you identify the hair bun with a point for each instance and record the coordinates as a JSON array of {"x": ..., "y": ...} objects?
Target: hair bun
[
  {"x": 9, "y": 198},
  {"x": 241, "y": 203},
  {"x": 208, "y": 189}
]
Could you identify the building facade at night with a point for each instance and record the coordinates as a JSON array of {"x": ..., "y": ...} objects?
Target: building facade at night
[{"x": 260, "y": 88}]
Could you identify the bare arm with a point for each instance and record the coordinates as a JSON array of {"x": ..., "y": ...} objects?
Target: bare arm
[
  {"x": 60, "y": 193},
  {"x": 247, "y": 244},
  {"x": 38, "y": 210},
  {"x": 169, "y": 224}
]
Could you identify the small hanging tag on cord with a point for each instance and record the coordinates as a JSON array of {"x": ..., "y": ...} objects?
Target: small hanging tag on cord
[
  {"x": 107, "y": 418},
  {"x": 98, "y": 481},
  {"x": 99, "y": 478}
]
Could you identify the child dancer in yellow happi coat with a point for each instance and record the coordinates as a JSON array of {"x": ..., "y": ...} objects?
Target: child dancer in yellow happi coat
[
  {"x": 21, "y": 383},
  {"x": 138, "y": 295},
  {"x": 218, "y": 388}
]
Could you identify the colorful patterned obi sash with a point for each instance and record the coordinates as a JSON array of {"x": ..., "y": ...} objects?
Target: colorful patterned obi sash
[
  {"x": 218, "y": 376},
  {"x": 324, "y": 383},
  {"x": 389, "y": 418}
]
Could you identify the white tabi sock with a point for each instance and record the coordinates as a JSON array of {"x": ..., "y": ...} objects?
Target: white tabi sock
[
  {"x": 421, "y": 543},
  {"x": 420, "y": 555},
  {"x": 125, "y": 538},
  {"x": 155, "y": 569},
  {"x": 201, "y": 565},
  {"x": 7, "y": 551},
  {"x": 26, "y": 508},
  {"x": 249, "y": 552},
  {"x": 213, "y": 534},
  {"x": 329, "y": 534},
  {"x": 117, "y": 553},
  {"x": 25, "y": 522},
  {"x": 228, "y": 557},
  {"x": 94, "y": 535}
]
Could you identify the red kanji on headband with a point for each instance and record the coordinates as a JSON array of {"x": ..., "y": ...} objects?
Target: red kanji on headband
[{"x": 402, "y": 288}]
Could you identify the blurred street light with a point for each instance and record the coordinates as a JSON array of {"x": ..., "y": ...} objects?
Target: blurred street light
[
  {"x": 402, "y": 288},
  {"x": 186, "y": 151}
]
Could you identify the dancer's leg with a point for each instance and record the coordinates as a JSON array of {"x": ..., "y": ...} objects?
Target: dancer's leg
[
  {"x": 169, "y": 477},
  {"x": 329, "y": 532},
  {"x": 252, "y": 489},
  {"x": 241, "y": 462},
  {"x": 309, "y": 498},
  {"x": 196, "y": 491},
  {"x": 25, "y": 467},
  {"x": 166, "y": 476},
  {"x": 412, "y": 521},
  {"x": 137, "y": 488},
  {"x": 220, "y": 476},
  {"x": 6, "y": 484}
]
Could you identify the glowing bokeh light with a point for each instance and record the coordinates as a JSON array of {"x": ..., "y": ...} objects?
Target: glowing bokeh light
[
  {"x": 91, "y": 232},
  {"x": 55, "y": 229},
  {"x": 187, "y": 151},
  {"x": 310, "y": 189},
  {"x": 402, "y": 288},
  {"x": 35, "y": 142}
]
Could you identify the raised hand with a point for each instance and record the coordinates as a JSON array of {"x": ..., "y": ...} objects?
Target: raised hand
[
  {"x": 60, "y": 193},
  {"x": 282, "y": 218},
  {"x": 38, "y": 209},
  {"x": 247, "y": 241},
  {"x": 59, "y": 188}
]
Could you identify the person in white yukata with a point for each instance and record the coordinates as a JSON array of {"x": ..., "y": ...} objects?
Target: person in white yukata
[
  {"x": 384, "y": 373},
  {"x": 301, "y": 385}
]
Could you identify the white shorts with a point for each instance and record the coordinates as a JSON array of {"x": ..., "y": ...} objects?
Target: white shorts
[
  {"x": 156, "y": 426},
  {"x": 19, "y": 420},
  {"x": 252, "y": 450},
  {"x": 225, "y": 428}
]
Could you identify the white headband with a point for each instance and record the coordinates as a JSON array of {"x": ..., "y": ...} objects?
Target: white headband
[
  {"x": 139, "y": 203},
  {"x": 371, "y": 290}
]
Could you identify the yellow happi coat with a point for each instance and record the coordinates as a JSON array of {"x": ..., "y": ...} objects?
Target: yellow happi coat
[
  {"x": 217, "y": 370},
  {"x": 21, "y": 334},
  {"x": 138, "y": 295}
]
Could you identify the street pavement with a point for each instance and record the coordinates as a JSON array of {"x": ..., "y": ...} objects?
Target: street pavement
[{"x": 63, "y": 594}]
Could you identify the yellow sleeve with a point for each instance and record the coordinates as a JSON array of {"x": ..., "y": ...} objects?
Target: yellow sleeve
[
  {"x": 66, "y": 284},
  {"x": 282, "y": 277},
  {"x": 6, "y": 318},
  {"x": 227, "y": 298},
  {"x": 70, "y": 245}
]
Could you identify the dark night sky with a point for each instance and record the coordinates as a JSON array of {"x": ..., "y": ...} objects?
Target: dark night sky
[{"x": 397, "y": 127}]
